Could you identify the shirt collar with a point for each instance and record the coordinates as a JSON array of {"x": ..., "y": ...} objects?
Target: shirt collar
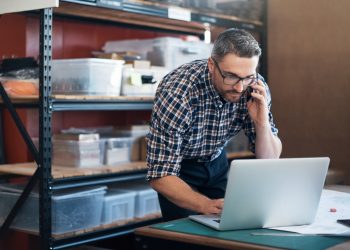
[{"x": 210, "y": 90}]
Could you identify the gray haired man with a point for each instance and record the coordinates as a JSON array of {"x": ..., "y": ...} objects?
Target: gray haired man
[{"x": 198, "y": 108}]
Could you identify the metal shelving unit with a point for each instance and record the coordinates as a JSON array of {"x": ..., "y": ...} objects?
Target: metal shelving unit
[
  {"x": 94, "y": 104},
  {"x": 48, "y": 104}
]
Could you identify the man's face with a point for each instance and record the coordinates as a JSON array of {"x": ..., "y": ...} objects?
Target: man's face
[{"x": 229, "y": 68}]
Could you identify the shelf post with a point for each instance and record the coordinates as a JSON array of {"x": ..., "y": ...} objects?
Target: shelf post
[{"x": 45, "y": 147}]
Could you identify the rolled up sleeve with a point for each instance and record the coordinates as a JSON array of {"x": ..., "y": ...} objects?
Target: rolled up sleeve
[{"x": 170, "y": 120}]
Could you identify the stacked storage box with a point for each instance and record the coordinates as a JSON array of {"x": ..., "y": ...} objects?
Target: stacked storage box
[
  {"x": 172, "y": 52},
  {"x": 136, "y": 133},
  {"x": 146, "y": 199},
  {"x": 76, "y": 150},
  {"x": 72, "y": 210},
  {"x": 168, "y": 52},
  {"x": 122, "y": 144},
  {"x": 118, "y": 205},
  {"x": 143, "y": 82},
  {"x": 116, "y": 150},
  {"x": 88, "y": 76}
]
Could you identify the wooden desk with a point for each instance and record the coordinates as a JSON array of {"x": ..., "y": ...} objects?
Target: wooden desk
[
  {"x": 152, "y": 238},
  {"x": 156, "y": 238}
]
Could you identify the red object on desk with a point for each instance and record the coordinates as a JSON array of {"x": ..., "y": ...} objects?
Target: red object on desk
[{"x": 333, "y": 210}]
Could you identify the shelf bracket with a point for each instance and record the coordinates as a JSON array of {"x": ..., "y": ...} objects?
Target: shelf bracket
[
  {"x": 19, "y": 203},
  {"x": 19, "y": 123}
]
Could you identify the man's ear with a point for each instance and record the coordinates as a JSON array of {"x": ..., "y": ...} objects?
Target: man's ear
[{"x": 211, "y": 65}]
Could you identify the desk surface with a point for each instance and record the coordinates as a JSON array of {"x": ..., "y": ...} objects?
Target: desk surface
[
  {"x": 195, "y": 239},
  {"x": 209, "y": 238}
]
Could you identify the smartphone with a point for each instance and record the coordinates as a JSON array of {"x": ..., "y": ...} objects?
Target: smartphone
[
  {"x": 345, "y": 222},
  {"x": 249, "y": 93}
]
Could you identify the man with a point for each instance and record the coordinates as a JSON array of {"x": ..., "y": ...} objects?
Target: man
[{"x": 197, "y": 108}]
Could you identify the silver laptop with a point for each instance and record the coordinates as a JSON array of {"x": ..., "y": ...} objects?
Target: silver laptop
[{"x": 270, "y": 193}]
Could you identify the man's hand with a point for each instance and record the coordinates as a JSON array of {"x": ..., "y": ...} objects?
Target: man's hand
[
  {"x": 212, "y": 206},
  {"x": 181, "y": 194},
  {"x": 257, "y": 106},
  {"x": 267, "y": 145}
]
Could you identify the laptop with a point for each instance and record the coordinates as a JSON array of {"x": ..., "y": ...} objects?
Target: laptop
[{"x": 264, "y": 193}]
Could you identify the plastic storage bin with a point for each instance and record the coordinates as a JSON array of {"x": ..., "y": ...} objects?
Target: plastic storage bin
[
  {"x": 117, "y": 150},
  {"x": 169, "y": 52},
  {"x": 71, "y": 211},
  {"x": 172, "y": 52},
  {"x": 118, "y": 205},
  {"x": 143, "y": 82},
  {"x": 76, "y": 153},
  {"x": 90, "y": 76},
  {"x": 136, "y": 133},
  {"x": 146, "y": 200}
]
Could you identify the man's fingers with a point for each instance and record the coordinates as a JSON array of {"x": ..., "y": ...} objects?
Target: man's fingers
[{"x": 259, "y": 88}]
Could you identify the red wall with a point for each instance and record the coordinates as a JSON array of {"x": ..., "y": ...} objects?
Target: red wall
[{"x": 71, "y": 39}]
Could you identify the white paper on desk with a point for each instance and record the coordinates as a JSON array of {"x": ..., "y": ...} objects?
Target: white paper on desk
[{"x": 326, "y": 221}]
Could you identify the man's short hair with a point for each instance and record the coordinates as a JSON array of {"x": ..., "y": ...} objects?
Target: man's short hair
[{"x": 237, "y": 41}]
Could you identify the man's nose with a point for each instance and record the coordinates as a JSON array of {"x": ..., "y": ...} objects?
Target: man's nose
[{"x": 238, "y": 87}]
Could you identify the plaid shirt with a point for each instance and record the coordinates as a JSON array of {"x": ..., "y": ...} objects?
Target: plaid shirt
[{"x": 191, "y": 120}]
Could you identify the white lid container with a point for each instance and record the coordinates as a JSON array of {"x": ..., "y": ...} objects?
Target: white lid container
[
  {"x": 118, "y": 205},
  {"x": 76, "y": 153},
  {"x": 134, "y": 85},
  {"x": 72, "y": 210},
  {"x": 89, "y": 76},
  {"x": 146, "y": 200}
]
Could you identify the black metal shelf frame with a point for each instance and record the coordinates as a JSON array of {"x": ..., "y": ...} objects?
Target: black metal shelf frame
[
  {"x": 86, "y": 105},
  {"x": 43, "y": 157},
  {"x": 101, "y": 234},
  {"x": 46, "y": 104},
  {"x": 100, "y": 179}
]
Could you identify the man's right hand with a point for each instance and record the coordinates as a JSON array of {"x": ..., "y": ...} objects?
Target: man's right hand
[
  {"x": 181, "y": 194},
  {"x": 213, "y": 206}
]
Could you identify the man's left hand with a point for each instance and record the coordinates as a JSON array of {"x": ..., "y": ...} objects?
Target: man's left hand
[{"x": 257, "y": 105}]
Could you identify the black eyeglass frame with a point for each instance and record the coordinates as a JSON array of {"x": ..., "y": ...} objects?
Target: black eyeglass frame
[{"x": 252, "y": 80}]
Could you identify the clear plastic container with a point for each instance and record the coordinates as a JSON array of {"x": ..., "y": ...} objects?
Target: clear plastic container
[
  {"x": 118, "y": 205},
  {"x": 118, "y": 150},
  {"x": 136, "y": 133},
  {"x": 141, "y": 82},
  {"x": 172, "y": 52},
  {"x": 90, "y": 76},
  {"x": 169, "y": 52},
  {"x": 146, "y": 200},
  {"x": 76, "y": 153},
  {"x": 71, "y": 211}
]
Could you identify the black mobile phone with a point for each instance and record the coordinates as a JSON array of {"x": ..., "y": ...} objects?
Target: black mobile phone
[
  {"x": 249, "y": 93},
  {"x": 345, "y": 222}
]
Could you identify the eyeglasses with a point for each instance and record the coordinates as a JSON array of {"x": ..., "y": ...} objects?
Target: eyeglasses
[{"x": 233, "y": 79}]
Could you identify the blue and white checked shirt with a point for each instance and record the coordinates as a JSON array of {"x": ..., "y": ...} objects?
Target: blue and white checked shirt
[{"x": 191, "y": 120}]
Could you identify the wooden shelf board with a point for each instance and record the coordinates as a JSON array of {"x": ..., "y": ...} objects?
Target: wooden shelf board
[
  {"x": 213, "y": 14},
  {"x": 102, "y": 98},
  {"x": 35, "y": 99},
  {"x": 28, "y": 169},
  {"x": 97, "y": 228},
  {"x": 120, "y": 16},
  {"x": 107, "y": 226}
]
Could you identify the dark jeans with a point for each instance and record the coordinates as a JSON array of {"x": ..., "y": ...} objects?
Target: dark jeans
[{"x": 208, "y": 178}]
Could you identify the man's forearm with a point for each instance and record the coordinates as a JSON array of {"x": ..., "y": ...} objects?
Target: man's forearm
[
  {"x": 267, "y": 145},
  {"x": 181, "y": 194}
]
